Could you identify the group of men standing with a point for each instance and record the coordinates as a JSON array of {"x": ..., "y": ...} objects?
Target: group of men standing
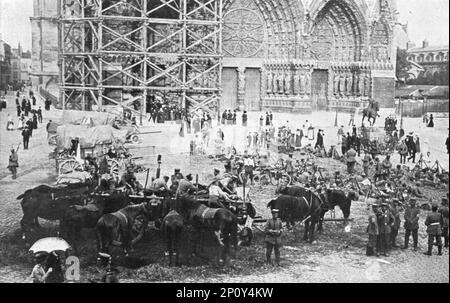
[{"x": 385, "y": 222}]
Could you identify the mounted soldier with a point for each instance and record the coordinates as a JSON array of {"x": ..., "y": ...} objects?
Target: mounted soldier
[{"x": 371, "y": 112}]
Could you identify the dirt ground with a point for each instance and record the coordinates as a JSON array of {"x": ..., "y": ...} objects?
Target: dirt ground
[{"x": 336, "y": 256}]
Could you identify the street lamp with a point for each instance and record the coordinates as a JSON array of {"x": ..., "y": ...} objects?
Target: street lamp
[{"x": 158, "y": 170}]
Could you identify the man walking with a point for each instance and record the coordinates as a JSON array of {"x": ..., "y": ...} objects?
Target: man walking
[
  {"x": 273, "y": 237},
  {"x": 13, "y": 163},
  {"x": 411, "y": 224},
  {"x": 367, "y": 160},
  {"x": 39, "y": 114},
  {"x": 26, "y": 134},
  {"x": 434, "y": 222}
]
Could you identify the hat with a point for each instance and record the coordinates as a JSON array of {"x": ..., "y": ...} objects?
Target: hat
[
  {"x": 40, "y": 256},
  {"x": 216, "y": 170},
  {"x": 177, "y": 170},
  {"x": 384, "y": 204}
]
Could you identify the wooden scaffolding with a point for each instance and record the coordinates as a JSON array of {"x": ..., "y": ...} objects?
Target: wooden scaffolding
[{"x": 131, "y": 53}]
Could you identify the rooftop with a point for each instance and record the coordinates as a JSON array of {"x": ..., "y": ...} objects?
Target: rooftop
[{"x": 431, "y": 48}]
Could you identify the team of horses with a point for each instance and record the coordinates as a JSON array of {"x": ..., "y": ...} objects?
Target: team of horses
[{"x": 113, "y": 216}]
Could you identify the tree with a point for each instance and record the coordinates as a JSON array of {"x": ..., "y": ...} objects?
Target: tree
[{"x": 403, "y": 65}]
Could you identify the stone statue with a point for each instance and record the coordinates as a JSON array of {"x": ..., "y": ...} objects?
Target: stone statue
[
  {"x": 281, "y": 83},
  {"x": 366, "y": 85},
  {"x": 348, "y": 83},
  {"x": 269, "y": 82},
  {"x": 360, "y": 84},
  {"x": 241, "y": 72},
  {"x": 296, "y": 83},
  {"x": 342, "y": 83},
  {"x": 287, "y": 81},
  {"x": 302, "y": 83},
  {"x": 336, "y": 83},
  {"x": 307, "y": 83}
]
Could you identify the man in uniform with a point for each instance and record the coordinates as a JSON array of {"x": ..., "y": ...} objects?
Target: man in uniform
[
  {"x": 185, "y": 186},
  {"x": 14, "y": 163},
  {"x": 372, "y": 230},
  {"x": 387, "y": 166},
  {"x": 385, "y": 222},
  {"x": 175, "y": 180},
  {"x": 443, "y": 210},
  {"x": 128, "y": 180},
  {"x": 367, "y": 160},
  {"x": 215, "y": 193},
  {"x": 351, "y": 160},
  {"x": 411, "y": 224},
  {"x": 160, "y": 185},
  {"x": 434, "y": 222},
  {"x": 273, "y": 237},
  {"x": 397, "y": 221},
  {"x": 249, "y": 165},
  {"x": 378, "y": 170}
]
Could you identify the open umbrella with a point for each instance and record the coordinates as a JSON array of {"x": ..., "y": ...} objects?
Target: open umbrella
[{"x": 50, "y": 245}]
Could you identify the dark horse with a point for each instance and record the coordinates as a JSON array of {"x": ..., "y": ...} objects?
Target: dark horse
[
  {"x": 330, "y": 199},
  {"x": 116, "y": 228},
  {"x": 333, "y": 198},
  {"x": 78, "y": 217},
  {"x": 172, "y": 227},
  {"x": 371, "y": 112},
  {"x": 50, "y": 203},
  {"x": 220, "y": 220},
  {"x": 305, "y": 206}
]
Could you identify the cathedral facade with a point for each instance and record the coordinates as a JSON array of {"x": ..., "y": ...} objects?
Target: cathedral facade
[{"x": 304, "y": 55}]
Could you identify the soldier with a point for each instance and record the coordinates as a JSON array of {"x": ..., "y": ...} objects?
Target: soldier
[
  {"x": 160, "y": 185},
  {"x": 367, "y": 161},
  {"x": 397, "y": 221},
  {"x": 387, "y": 166},
  {"x": 434, "y": 223},
  {"x": 174, "y": 179},
  {"x": 378, "y": 170},
  {"x": 385, "y": 222},
  {"x": 444, "y": 212},
  {"x": 273, "y": 237},
  {"x": 13, "y": 163},
  {"x": 351, "y": 160},
  {"x": 185, "y": 186},
  {"x": 372, "y": 230},
  {"x": 411, "y": 224}
]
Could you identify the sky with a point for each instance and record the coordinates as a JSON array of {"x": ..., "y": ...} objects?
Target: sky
[{"x": 427, "y": 19}]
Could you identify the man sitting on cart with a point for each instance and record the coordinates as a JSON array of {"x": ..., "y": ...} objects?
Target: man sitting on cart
[
  {"x": 215, "y": 193},
  {"x": 130, "y": 182},
  {"x": 159, "y": 186}
]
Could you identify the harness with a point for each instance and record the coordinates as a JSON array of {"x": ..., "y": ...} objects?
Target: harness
[{"x": 121, "y": 216}]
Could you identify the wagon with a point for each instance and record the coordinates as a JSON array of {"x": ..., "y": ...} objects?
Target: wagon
[{"x": 90, "y": 142}]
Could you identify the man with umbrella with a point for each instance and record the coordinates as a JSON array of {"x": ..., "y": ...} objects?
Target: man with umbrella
[
  {"x": 39, "y": 275},
  {"x": 48, "y": 267}
]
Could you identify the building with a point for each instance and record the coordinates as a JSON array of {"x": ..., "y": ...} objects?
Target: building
[
  {"x": 5, "y": 63},
  {"x": 44, "y": 56},
  {"x": 433, "y": 60},
  {"x": 20, "y": 66},
  {"x": 280, "y": 55}
]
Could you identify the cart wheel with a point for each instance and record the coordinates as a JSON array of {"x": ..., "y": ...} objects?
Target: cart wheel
[
  {"x": 135, "y": 139},
  {"x": 114, "y": 167},
  {"x": 246, "y": 236},
  {"x": 69, "y": 166},
  {"x": 138, "y": 229}
]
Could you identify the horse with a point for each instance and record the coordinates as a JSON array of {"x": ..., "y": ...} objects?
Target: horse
[
  {"x": 306, "y": 208},
  {"x": 115, "y": 228},
  {"x": 49, "y": 203},
  {"x": 172, "y": 227},
  {"x": 333, "y": 198},
  {"x": 78, "y": 217},
  {"x": 371, "y": 112},
  {"x": 220, "y": 220}
]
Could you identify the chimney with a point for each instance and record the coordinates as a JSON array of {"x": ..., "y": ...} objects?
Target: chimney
[
  {"x": 425, "y": 43},
  {"x": 410, "y": 45}
]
